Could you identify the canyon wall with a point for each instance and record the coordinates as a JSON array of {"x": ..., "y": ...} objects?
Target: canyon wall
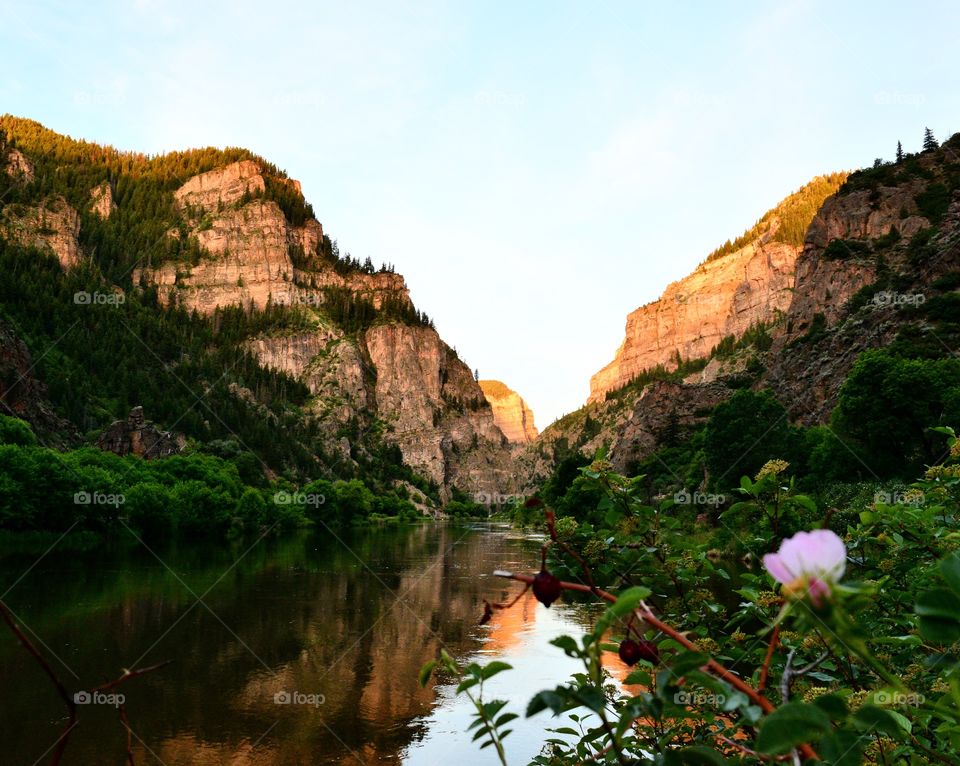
[
  {"x": 393, "y": 375},
  {"x": 722, "y": 297},
  {"x": 510, "y": 412}
]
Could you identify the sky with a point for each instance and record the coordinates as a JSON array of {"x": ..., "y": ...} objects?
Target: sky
[{"x": 535, "y": 170}]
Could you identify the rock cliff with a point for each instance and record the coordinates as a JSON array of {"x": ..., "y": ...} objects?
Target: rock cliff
[
  {"x": 397, "y": 374},
  {"x": 875, "y": 253},
  {"x": 510, "y": 412},
  {"x": 741, "y": 285},
  {"x": 137, "y": 436},
  {"x": 52, "y": 226},
  {"x": 101, "y": 200}
]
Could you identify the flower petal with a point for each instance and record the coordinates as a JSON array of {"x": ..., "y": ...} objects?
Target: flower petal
[{"x": 778, "y": 570}]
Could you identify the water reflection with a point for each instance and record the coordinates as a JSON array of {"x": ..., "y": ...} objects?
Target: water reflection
[{"x": 340, "y": 627}]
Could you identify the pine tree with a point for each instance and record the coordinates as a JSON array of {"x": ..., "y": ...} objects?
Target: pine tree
[
  {"x": 929, "y": 142},
  {"x": 899, "y": 152}
]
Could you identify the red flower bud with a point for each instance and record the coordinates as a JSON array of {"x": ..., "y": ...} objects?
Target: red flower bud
[
  {"x": 631, "y": 652},
  {"x": 546, "y": 587}
]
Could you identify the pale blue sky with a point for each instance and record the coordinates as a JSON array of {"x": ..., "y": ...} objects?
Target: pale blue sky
[{"x": 536, "y": 170}]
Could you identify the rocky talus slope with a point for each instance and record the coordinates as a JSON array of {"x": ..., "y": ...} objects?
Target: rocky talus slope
[{"x": 510, "y": 412}]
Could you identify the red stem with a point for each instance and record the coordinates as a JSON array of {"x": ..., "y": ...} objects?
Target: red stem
[{"x": 653, "y": 621}]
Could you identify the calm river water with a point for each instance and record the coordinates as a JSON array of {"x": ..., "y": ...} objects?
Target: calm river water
[{"x": 339, "y": 627}]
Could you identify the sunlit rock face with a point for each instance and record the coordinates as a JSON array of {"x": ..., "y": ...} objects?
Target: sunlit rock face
[
  {"x": 510, "y": 412},
  {"x": 441, "y": 420},
  {"x": 101, "y": 200},
  {"x": 403, "y": 376},
  {"x": 722, "y": 297},
  {"x": 52, "y": 226}
]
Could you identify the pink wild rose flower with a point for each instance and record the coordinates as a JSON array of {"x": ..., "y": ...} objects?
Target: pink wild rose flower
[{"x": 808, "y": 562}]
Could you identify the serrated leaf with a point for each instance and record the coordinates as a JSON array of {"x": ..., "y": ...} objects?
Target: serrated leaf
[
  {"x": 546, "y": 699},
  {"x": 489, "y": 671},
  {"x": 790, "y": 725}
]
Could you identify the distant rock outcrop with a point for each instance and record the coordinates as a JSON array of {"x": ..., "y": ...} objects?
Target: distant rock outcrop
[
  {"x": 102, "y": 203},
  {"x": 510, "y": 412},
  {"x": 137, "y": 436},
  {"x": 52, "y": 226},
  {"x": 19, "y": 166}
]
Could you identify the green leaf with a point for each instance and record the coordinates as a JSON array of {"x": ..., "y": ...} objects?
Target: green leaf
[
  {"x": 493, "y": 668},
  {"x": 842, "y": 748},
  {"x": 688, "y": 661},
  {"x": 628, "y": 600},
  {"x": 790, "y": 725},
  {"x": 568, "y": 644},
  {"x": 870, "y": 718},
  {"x": 698, "y": 755},
  {"x": 833, "y": 705},
  {"x": 591, "y": 697},
  {"x": 466, "y": 683},
  {"x": 546, "y": 699},
  {"x": 950, "y": 569},
  {"x": 939, "y": 613},
  {"x": 426, "y": 671},
  {"x": 505, "y": 718}
]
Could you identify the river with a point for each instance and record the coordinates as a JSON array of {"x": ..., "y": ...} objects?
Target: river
[{"x": 295, "y": 650}]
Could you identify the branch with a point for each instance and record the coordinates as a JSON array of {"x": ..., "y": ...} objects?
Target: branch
[
  {"x": 645, "y": 613},
  {"x": 61, "y": 690}
]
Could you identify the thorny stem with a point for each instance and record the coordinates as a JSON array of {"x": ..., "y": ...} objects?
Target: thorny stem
[{"x": 645, "y": 613}]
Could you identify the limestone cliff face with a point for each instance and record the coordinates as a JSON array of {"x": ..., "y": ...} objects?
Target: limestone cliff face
[
  {"x": 510, "y": 412},
  {"x": 53, "y": 226},
  {"x": 823, "y": 285},
  {"x": 441, "y": 421},
  {"x": 137, "y": 436},
  {"x": 722, "y": 297},
  {"x": 247, "y": 251},
  {"x": 19, "y": 166},
  {"x": 222, "y": 186},
  {"x": 403, "y": 376},
  {"x": 101, "y": 200},
  {"x": 747, "y": 281}
]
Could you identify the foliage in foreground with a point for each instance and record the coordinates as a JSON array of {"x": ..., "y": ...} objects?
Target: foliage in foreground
[{"x": 852, "y": 659}]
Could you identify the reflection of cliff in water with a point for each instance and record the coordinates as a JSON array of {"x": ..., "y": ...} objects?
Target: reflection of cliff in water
[{"x": 305, "y": 615}]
